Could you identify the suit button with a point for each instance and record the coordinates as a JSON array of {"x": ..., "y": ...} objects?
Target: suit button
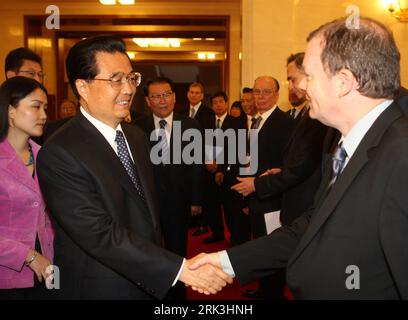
[{"x": 35, "y": 204}]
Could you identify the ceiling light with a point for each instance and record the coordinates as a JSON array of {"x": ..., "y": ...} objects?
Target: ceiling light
[
  {"x": 131, "y": 54},
  {"x": 127, "y": 2},
  {"x": 157, "y": 42},
  {"x": 108, "y": 2},
  {"x": 211, "y": 55}
]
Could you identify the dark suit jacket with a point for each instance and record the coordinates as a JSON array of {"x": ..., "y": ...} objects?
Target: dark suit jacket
[
  {"x": 107, "y": 240},
  {"x": 179, "y": 186},
  {"x": 53, "y": 126},
  {"x": 299, "y": 116},
  {"x": 300, "y": 175},
  {"x": 402, "y": 100},
  {"x": 204, "y": 116},
  {"x": 272, "y": 139},
  {"x": 230, "y": 169},
  {"x": 403, "y": 92},
  {"x": 362, "y": 221}
]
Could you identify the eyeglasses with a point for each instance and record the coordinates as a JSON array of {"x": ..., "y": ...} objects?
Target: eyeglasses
[
  {"x": 157, "y": 97},
  {"x": 32, "y": 74},
  {"x": 117, "y": 80},
  {"x": 265, "y": 92}
]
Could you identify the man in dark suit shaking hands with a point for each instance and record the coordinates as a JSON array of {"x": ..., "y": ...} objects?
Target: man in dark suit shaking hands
[
  {"x": 352, "y": 243},
  {"x": 179, "y": 185},
  {"x": 98, "y": 183}
]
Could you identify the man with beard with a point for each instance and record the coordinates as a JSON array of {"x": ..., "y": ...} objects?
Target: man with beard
[{"x": 297, "y": 97}]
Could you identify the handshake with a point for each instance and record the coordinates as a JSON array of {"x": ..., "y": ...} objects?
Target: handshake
[{"x": 204, "y": 273}]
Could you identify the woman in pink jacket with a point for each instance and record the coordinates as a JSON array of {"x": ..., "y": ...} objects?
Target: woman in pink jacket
[{"x": 26, "y": 236}]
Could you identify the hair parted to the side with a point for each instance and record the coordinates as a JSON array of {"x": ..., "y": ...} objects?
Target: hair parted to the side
[
  {"x": 219, "y": 94},
  {"x": 15, "y": 58},
  {"x": 81, "y": 59},
  {"x": 369, "y": 52},
  {"x": 298, "y": 58},
  {"x": 197, "y": 84},
  {"x": 158, "y": 80},
  {"x": 12, "y": 91}
]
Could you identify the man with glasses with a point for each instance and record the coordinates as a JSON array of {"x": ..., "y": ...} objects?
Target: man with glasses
[
  {"x": 178, "y": 184},
  {"x": 96, "y": 177},
  {"x": 274, "y": 128},
  {"x": 25, "y": 63}
]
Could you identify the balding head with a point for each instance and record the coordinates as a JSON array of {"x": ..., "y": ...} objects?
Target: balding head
[{"x": 266, "y": 93}]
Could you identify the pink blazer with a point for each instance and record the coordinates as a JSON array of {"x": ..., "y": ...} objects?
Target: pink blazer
[{"x": 22, "y": 216}]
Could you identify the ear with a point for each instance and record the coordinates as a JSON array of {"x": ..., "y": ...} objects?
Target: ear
[
  {"x": 10, "y": 74},
  {"x": 346, "y": 82},
  {"x": 147, "y": 102},
  {"x": 82, "y": 87},
  {"x": 11, "y": 113}
]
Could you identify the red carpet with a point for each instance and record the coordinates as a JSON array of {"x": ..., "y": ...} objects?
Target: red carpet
[{"x": 230, "y": 292}]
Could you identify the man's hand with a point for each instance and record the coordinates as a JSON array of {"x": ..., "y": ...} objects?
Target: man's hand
[
  {"x": 211, "y": 167},
  {"x": 204, "y": 278},
  {"x": 271, "y": 171},
  {"x": 196, "y": 210},
  {"x": 219, "y": 178},
  {"x": 245, "y": 210},
  {"x": 245, "y": 187}
]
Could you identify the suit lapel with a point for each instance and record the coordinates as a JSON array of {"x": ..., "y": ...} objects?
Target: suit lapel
[
  {"x": 327, "y": 204},
  {"x": 270, "y": 120},
  {"x": 296, "y": 130},
  {"x": 16, "y": 167},
  {"x": 97, "y": 144}
]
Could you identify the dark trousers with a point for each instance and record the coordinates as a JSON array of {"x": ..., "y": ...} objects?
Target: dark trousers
[
  {"x": 38, "y": 292},
  {"x": 212, "y": 208},
  {"x": 271, "y": 287},
  {"x": 237, "y": 221}
]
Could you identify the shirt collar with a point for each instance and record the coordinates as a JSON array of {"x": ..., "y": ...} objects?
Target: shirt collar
[
  {"x": 358, "y": 131},
  {"x": 266, "y": 114},
  {"x": 108, "y": 132},
  {"x": 169, "y": 121},
  {"x": 222, "y": 118},
  {"x": 196, "y": 107}
]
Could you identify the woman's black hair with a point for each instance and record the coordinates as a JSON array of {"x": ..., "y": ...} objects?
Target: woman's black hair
[{"x": 12, "y": 91}]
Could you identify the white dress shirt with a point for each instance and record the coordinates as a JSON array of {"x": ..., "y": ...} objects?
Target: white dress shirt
[
  {"x": 266, "y": 115},
  {"x": 196, "y": 107},
  {"x": 168, "y": 128},
  {"x": 222, "y": 118},
  {"x": 108, "y": 132},
  {"x": 358, "y": 131}
]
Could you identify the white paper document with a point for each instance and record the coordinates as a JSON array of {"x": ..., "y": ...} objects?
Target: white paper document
[{"x": 272, "y": 221}]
